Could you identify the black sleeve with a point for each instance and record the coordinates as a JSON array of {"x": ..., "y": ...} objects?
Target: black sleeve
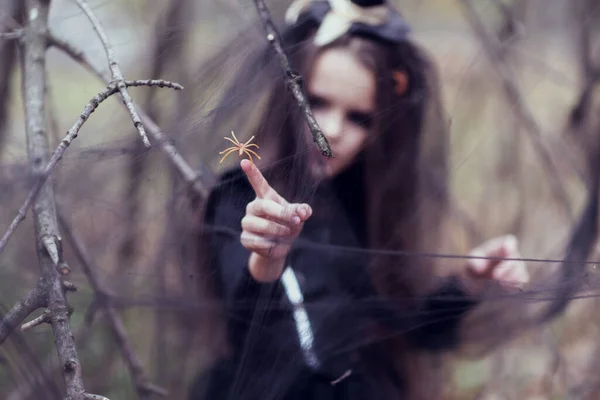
[
  {"x": 432, "y": 323},
  {"x": 438, "y": 316},
  {"x": 224, "y": 211}
]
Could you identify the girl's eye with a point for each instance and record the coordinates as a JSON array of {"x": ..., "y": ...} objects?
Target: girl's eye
[
  {"x": 316, "y": 102},
  {"x": 362, "y": 119}
]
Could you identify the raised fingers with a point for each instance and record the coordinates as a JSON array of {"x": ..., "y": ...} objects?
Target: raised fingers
[
  {"x": 258, "y": 182},
  {"x": 274, "y": 211},
  {"x": 263, "y": 226},
  {"x": 263, "y": 246},
  {"x": 499, "y": 247},
  {"x": 511, "y": 271}
]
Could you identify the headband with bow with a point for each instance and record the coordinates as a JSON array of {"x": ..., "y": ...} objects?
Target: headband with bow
[{"x": 372, "y": 18}]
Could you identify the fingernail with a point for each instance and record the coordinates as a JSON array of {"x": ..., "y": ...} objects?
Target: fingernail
[
  {"x": 296, "y": 220},
  {"x": 307, "y": 211},
  {"x": 477, "y": 264}
]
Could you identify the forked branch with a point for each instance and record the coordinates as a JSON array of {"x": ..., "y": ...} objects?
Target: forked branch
[
  {"x": 189, "y": 175},
  {"x": 72, "y": 133},
  {"x": 115, "y": 70}
]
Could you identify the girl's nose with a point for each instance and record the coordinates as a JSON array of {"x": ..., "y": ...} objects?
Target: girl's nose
[{"x": 332, "y": 125}]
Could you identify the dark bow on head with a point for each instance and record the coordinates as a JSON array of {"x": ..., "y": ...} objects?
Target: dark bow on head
[
  {"x": 373, "y": 18},
  {"x": 368, "y": 3}
]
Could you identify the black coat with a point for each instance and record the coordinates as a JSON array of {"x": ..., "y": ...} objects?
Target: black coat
[{"x": 270, "y": 360}]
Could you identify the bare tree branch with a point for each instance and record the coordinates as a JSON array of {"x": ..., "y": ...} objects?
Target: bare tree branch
[
  {"x": 42, "y": 319},
  {"x": 143, "y": 385},
  {"x": 51, "y": 289},
  {"x": 18, "y": 34},
  {"x": 34, "y": 376},
  {"x": 71, "y": 135},
  {"x": 292, "y": 78},
  {"x": 115, "y": 70},
  {"x": 77, "y": 55},
  {"x": 44, "y": 208},
  {"x": 24, "y": 391},
  {"x": 35, "y": 299},
  {"x": 193, "y": 178},
  {"x": 88, "y": 396},
  {"x": 517, "y": 104}
]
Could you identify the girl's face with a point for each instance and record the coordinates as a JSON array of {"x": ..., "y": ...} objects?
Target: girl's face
[{"x": 341, "y": 91}]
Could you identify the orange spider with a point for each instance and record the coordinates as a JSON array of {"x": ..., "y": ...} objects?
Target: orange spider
[{"x": 241, "y": 147}]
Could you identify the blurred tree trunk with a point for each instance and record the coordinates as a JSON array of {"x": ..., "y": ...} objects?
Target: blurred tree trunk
[
  {"x": 169, "y": 39},
  {"x": 11, "y": 18}
]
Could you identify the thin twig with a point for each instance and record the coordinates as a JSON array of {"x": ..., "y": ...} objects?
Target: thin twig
[
  {"x": 193, "y": 178},
  {"x": 89, "y": 396},
  {"x": 517, "y": 104},
  {"x": 18, "y": 34},
  {"x": 78, "y": 55},
  {"x": 69, "y": 286},
  {"x": 115, "y": 70},
  {"x": 37, "y": 378},
  {"x": 24, "y": 391},
  {"x": 143, "y": 385},
  {"x": 71, "y": 135},
  {"x": 292, "y": 78},
  {"x": 42, "y": 319},
  {"x": 35, "y": 299}
]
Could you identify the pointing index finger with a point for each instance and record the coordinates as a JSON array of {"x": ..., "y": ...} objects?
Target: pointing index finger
[{"x": 260, "y": 185}]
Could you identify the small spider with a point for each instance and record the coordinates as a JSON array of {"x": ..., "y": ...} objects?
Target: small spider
[{"x": 241, "y": 147}]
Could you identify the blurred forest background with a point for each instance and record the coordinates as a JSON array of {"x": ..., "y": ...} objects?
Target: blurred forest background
[{"x": 130, "y": 210}]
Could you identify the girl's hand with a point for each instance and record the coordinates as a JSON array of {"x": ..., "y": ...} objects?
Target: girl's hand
[
  {"x": 270, "y": 226},
  {"x": 510, "y": 273}
]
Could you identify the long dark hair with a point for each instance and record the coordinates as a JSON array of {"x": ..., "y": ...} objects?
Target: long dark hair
[
  {"x": 405, "y": 172},
  {"x": 405, "y": 181}
]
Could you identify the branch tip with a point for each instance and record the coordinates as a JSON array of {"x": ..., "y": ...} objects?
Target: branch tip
[
  {"x": 42, "y": 319},
  {"x": 89, "y": 396},
  {"x": 69, "y": 286}
]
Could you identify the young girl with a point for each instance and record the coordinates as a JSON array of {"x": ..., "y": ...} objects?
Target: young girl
[{"x": 316, "y": 259}]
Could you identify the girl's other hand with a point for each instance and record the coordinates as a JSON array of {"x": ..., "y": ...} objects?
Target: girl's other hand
[
  {"x": 509, "y": 273},
  {"x": 270, "y": 226}
]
